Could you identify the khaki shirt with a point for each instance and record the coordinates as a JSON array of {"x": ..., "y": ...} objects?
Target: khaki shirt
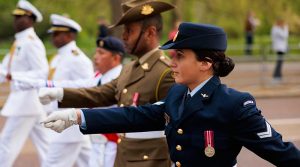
[{"x": 151, "y": 80}]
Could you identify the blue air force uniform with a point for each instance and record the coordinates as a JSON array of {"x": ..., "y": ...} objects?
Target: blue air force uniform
[
  {"x": 210, "y": 127},
  {"x": 231, "y": 115}
]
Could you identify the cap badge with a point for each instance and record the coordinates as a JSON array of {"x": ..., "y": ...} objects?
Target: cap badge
[
  {"x": 147, "y": 9},
  {"x": 174, "y": 39},
  {"x": 101, "y": 44}
]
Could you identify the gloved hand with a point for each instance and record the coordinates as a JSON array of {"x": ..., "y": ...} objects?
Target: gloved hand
[
  {"x": 61, "y": 120},
  {"x": 2, "y": 75},
  {"x": 28, "y": 83},
  {"x": 48, "y": 95}
]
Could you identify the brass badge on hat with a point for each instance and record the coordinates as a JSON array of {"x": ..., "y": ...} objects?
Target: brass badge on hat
[
  {"x": 101, "y": 44},
  {"x": 147, "y": 9},
  {"x": 174, "y": 39}
]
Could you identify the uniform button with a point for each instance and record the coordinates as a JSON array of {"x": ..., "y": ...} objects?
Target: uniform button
[
  {"x": 178, "y": 147},
  {"x": 162, "y": 57},
  {"x": 125, "y": 91},
  {"x": 180, "y": 131},
  {"x": 145, "y": 157},
  {"x": 178, "y": 164},
  {"x": 121, "y": 105},
  {"x": 119, "y": 141}
]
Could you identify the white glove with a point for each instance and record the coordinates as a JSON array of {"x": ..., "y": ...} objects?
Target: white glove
[
  {"x": 61, "y": 120},
  {"x": 2, "y": 76},
  {"x": 47, "y": 95},
  {"x": 28, "y": 83}
]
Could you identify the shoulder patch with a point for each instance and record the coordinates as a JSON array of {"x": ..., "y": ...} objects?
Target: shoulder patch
[
  {"x": 75, "y": 52},
  {"x": 248, "y": 102},
  {"x": 159, "y": 103}
]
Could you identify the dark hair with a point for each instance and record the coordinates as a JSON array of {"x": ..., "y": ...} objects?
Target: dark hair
[
  {"x": 222, "y": 65},
  {"x": 156, "y": 21}
]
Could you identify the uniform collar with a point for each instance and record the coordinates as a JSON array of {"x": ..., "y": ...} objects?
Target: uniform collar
[
  {"x": 195, "y": 90},
  {"x": 112, "y": 73},
  {"x": 67, "y": 47},
  {"x": 206, "y": 91},
  {"x": 148, "y": 60},
  {"x": 25, "y": 33},
  {"x": 146, "y": 56}
]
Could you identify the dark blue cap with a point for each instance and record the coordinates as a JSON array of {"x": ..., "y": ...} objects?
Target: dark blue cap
[
  {"x": 112, "y": 44},
  {"x": 198, "y": 37}
]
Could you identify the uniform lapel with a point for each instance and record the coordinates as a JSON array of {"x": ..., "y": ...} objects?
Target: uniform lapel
[
  {"x": 138, "y": 70},
  {"x": 197, "y": 101},
  {"x": 134, "y": 74}
]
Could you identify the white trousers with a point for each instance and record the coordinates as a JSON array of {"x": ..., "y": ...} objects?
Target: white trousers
[
  {"x": 14, "y": 134},
  {"x": 103, "y": 155},
  {"x": 68, "y": 154}
]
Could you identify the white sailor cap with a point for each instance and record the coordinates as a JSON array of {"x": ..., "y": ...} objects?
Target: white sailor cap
[
  {"x": 26, "y": 8},
  {"x": 62, "y": 23}
]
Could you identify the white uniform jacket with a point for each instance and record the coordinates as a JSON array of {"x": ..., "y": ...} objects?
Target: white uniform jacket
[
  {"x": 280, "y": 38},
  {"x": 70, "y": 64},
  {"x": 86, "y": 83},
  {"x": 28, "y": 60}
]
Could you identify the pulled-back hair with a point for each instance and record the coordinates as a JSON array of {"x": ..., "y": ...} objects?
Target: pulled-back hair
[{"x": 222, "y": 65}]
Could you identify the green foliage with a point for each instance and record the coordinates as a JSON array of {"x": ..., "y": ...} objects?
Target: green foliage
[{"x": 228, "y": 14}]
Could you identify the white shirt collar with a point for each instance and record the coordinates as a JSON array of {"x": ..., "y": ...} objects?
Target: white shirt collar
[
  {"x": 67, "y": 47},
  {"x": 196, "y": 89},
  {"x": 147, "y": 55},
  {"x": 25, "y": 33},
  {"x": 112, "y": 73}
]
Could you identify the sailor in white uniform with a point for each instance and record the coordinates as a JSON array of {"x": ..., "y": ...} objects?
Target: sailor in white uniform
[
  {"x": 70, "y": 63},
  {"x": 107, "y": 63},
  {"x": 23, "y": 111}
]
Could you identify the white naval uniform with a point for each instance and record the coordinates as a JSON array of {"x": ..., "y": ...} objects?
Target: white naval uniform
[
  {"x": 23, "y": 110},
  {"x": 103, "y": 152},
  {"x": 71, "y": 146}
]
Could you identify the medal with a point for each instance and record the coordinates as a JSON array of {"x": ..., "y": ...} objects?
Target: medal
[
  {"x": 135, "y": 99},
  {"x": 209, "y": 150}
]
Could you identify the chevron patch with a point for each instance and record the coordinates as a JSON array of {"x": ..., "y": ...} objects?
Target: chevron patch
[
  {"x": 159, "y": 103},
  {"x": 267, "y": 133}
]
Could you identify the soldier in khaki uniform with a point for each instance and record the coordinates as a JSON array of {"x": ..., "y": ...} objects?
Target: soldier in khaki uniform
[{"x": 145, "y": 80}]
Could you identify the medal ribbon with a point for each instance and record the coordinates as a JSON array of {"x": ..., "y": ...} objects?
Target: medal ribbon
[
  {"x": 209, "y": 138},
  {"x": 135, "y": 98}
]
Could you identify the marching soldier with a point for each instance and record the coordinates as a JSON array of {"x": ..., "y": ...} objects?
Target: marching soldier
[
  {"x": 70, "y": 63},
  {"x": 23, "y": 111},
  {"x": 107, "y": 62},
  {"x": 148, "y": 78},
  {"x": 206, "y": 123}
]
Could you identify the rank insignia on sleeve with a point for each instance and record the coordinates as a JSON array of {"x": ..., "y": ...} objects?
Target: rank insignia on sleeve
[{"x": 248, "y": 102}]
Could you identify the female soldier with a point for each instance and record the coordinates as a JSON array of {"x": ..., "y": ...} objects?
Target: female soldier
[{"x": 206, "y": 123}]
